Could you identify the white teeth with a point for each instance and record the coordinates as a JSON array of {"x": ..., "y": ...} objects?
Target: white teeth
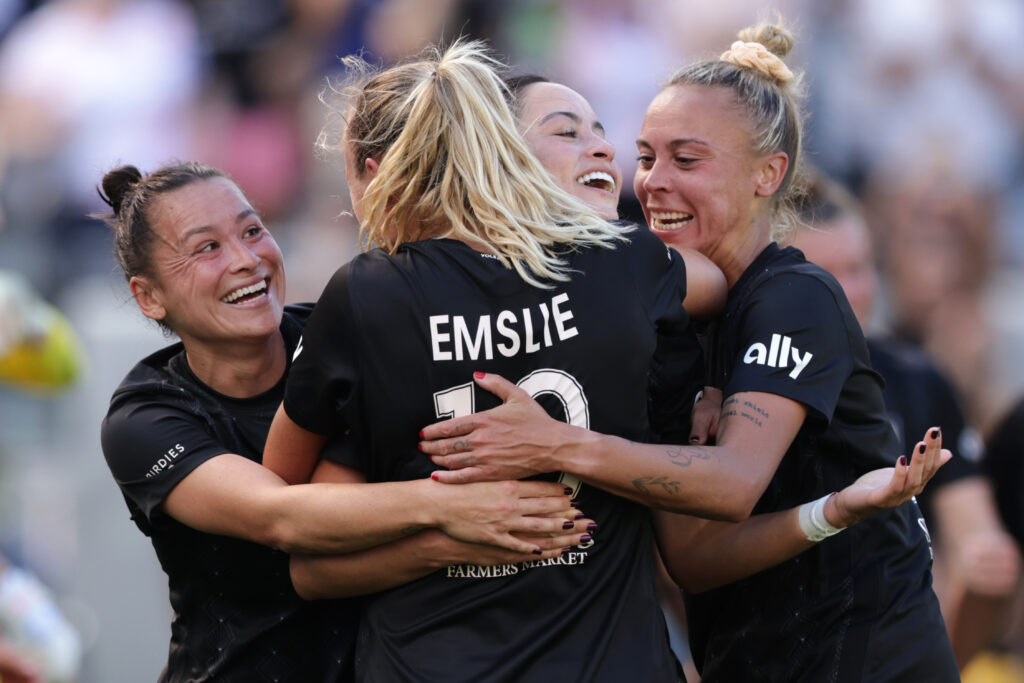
[
  {"x": 251, "y": 289},
  {"x": 668, "y": 220},
  {"x": 597, "y": 175}
]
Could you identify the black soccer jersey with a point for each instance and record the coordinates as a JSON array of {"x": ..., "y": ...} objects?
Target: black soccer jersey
[
  {"x": 1004, "y": 464},
  {"x": 236, "y": 615},
  {"x": 918, "y": 396},
  {"x": 392, "y": 346},
  {"x": 858, "y": 606}
]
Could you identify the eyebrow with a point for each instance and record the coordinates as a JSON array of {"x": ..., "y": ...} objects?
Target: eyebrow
[
  {"x": 678, "y": 142},
  {"x": 207, "y": 228},
  {"x": 574, "y": 117}
]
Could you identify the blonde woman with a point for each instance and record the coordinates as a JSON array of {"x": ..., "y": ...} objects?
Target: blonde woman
[{"x": 482, "y": 264}]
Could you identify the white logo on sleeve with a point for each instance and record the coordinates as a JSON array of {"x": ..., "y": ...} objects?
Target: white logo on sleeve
[
  {"x": 298, "y": 349},
  {"x": 778, "y": 355}
]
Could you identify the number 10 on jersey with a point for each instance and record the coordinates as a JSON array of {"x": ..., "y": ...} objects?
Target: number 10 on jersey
[{"x": 460, "y": 401}]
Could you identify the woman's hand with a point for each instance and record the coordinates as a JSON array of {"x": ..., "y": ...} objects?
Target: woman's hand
[
  {"x": 515, "y": 440},
  {"x": 446, "y": 551},
  {"x": 890, "y": 486},
  {"x": 704, "y": 417},
  {"x": 506, "y": 514}
]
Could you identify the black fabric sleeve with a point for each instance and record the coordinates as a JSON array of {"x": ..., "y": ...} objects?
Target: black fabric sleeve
[
  {"x": 151, "y": 446},
  {"x": 324, "y": 376},
  {"x": 793, "y": 342},
  {"x": 1003, "y": 462}
]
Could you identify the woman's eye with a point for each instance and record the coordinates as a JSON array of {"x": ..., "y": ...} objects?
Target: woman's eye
[
  {"x": 646, "y": 159},
  {"x": 253, "y": 231},
  {"x": 567, "y": 133},
  {"x": 208, "y": 247},
  {"x": 684, "y": 160}
]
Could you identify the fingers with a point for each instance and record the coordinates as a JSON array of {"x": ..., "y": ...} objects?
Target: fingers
[
  {"x": 700, "y": 428},
  {"x": 552, "y": 526},
  {"x": 538, "y": 489},
  {"x": 543, "y": 506},
  {"x": 447, "y": 429},
  {"x": 497, "y": 385},
  {"x": 464, "y": 476}
]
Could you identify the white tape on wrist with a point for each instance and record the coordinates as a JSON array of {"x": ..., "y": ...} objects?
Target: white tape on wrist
[{"x": 813, "y": 522}]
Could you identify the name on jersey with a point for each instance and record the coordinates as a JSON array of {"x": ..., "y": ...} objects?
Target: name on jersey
[
  {"x": 166, "y": 460},
  {"x": 525, "y": 330},
  {"x": 778, "y": 354}
]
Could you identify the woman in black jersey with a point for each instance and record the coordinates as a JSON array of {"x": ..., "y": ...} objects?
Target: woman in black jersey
[
  {"x": 184, "y": 435},
  {"x": 484, "y": 263},
  {"x": 803, "y": 414}
]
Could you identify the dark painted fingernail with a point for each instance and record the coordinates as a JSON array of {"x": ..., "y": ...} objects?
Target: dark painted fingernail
[
  {"x": 591, "y": 526},
  {"x": 479, "y": 375},
  {"x": 573, "y": 503},
  {"x": 579, "y": 515},
  {"x": 566, "y": 551},
  {"x": 920, "y": 448},
  {"x": 568, "y": 525},
  {"x": 903, "y": 461},
  {"x": 936, "y": 433},
  {"x": 568, "y": 491},
  {"x": 537, "y": 551},
  {"x": 585, "y": 538}
]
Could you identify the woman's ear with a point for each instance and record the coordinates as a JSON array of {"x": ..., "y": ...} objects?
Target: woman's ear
[
  {"x": 773, "y": 170},
  {"x": 147, "y": 298},
  {"x": 372, "y": 165}
]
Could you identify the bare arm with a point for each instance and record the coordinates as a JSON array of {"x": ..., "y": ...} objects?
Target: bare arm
[
  {"x": 291, "y": 452},
  {"x": 703, "y": 554},
  {"x": 722, "y": 481},
  {"x": 706, "y": 287},
  {"x": 234, "y": 496},
  {"x": 399, "y": 562}
]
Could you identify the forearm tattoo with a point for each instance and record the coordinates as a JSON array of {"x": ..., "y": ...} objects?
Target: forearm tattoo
[{"x": 683, "y": 456}]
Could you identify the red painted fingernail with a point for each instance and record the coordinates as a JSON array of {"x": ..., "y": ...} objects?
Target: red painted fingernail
[
  {"x": 421, "y": 434},
  {"x": 920, "y": 448},
  {"x": 903, "y": 461},
  {"x": 419, "y": 447},
  {"x": 434, "y": 475},
  {"x": 479, "y": 375}
]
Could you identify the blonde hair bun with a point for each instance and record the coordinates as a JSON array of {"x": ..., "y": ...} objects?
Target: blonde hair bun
[{"x": 757, "y": 56}]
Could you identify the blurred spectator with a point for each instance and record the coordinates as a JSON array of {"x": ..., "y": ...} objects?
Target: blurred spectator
[
  {"x": 39, "y": 352},
  {"x": 84, "y": 83},
  {"x": 976, "y": 562}
]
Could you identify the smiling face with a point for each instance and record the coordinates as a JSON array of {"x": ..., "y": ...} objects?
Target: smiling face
[
  {"x": 562, "y": 131},
  {"x": 701, "y": 184},
  {"x": 218, "y": 275}
]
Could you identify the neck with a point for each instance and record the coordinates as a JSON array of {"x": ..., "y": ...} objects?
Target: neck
[
  {"x": 241, "y": 369},
  {"x": 735, "y": 258}
]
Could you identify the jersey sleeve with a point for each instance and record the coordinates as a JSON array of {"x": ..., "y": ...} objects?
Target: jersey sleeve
[
  {"x": 151, "y": 446},
  {"x": 324, "y": 375},
  {"x": 660, "y": 276},
  {"x": 793, "y": 342},
  {"x": 1003, "y": 463}
]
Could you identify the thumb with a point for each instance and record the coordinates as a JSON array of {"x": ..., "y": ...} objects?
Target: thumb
[{"x": 497, "y": 385}]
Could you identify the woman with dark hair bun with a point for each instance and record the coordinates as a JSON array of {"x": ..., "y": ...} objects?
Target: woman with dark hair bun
[{"x": 184, "y": 437}]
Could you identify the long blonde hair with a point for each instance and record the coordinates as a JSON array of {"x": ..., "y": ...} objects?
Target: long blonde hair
[{"x": 453, "y": 164}]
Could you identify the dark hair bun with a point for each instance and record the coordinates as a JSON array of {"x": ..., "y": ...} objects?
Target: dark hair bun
[{"x": 117, "y": 184}]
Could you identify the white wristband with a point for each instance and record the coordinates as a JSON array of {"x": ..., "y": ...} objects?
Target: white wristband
[{"x": 813, "y": 522}]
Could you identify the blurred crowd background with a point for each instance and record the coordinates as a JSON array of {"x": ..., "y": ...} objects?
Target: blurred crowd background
[{"x": 916, "y": 106}]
